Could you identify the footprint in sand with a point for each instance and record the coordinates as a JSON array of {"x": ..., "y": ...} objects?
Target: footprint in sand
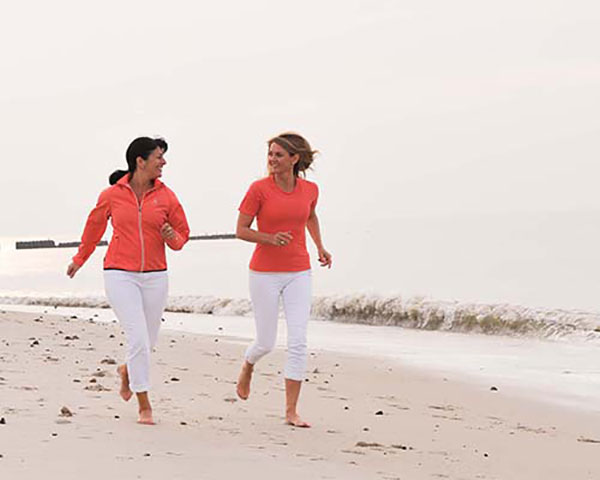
[
  {"x": 368, "y": 444},
  {"x": 587, "y": 440},
  {"x": 446, "y": 417},
  {"x": 446, "y": 408},
  {"x": 353, "y": 452},
  {"x": 97, "y": 387},
  {"x": 525, "y": 428}
]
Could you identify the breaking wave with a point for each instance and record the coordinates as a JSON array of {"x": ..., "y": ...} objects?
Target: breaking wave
[{"x": 417, "y": 312}]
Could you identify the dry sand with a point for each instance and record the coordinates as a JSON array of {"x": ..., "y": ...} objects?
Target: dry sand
[{"x": 372, "y": 418}]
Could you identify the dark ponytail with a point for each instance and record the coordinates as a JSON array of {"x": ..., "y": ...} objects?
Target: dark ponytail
[
  {"x": 140, "y": 147},
  {"x": 116, "y": 176}
]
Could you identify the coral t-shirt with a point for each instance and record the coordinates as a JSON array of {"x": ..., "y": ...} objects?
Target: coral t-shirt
[{"x": 279, "y": 211}]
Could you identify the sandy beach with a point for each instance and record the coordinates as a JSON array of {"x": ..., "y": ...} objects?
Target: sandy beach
[{"x": 372, "y": 418}]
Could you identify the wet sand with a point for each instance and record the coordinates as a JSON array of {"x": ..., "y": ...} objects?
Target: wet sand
[{"x": 61, "y": 415}]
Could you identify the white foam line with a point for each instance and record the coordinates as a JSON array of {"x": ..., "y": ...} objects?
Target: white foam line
[{"x": 559, "y": 372}]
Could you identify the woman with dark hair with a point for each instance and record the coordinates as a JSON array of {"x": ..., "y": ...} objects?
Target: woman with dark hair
[
  {"x": 145, "y": 214},
  {"x": 284, "y": 205}
]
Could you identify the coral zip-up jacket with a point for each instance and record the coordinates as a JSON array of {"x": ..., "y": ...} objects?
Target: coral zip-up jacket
[{"x": 137, "y": 244}]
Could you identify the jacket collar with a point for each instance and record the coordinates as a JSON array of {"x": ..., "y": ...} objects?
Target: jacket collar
[{"x": 124, "y": 181}]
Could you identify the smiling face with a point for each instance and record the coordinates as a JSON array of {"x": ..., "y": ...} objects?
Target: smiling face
[
  {"x": 279, "y": 160},
  {"x": 152, "y": 167}
]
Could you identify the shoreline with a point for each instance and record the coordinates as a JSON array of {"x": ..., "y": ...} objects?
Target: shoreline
[
  {"x": 556, "y": 371},
  {"x": 420, "y": 313},
  {"x": 431, "y": 425}
]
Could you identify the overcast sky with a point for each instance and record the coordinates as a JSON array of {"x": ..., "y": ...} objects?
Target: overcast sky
[{"x": 418, "y": 107}]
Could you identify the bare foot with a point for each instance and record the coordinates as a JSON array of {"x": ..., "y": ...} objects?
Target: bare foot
[
  {"x": 146, "y": 417},
  {"x": 125, "y": 391},
  {"x": 243, "y": 383},
  {"x": 295, "y": 421}
]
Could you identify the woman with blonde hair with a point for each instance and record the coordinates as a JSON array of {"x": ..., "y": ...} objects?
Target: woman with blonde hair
[{"x": 284, "y": 205}]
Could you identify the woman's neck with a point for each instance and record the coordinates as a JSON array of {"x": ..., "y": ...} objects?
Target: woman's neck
[
  {"x": 140, "y": 184},
  {"x": 286, "y": 181}
]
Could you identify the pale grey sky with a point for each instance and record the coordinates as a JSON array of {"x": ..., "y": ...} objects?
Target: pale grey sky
[{"x": 419, "y": 107}]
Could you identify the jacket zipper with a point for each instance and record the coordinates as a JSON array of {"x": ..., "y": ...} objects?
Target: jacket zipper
[
  {"x": 139, "y": 204},
  {"x": 140, "y": 227}
]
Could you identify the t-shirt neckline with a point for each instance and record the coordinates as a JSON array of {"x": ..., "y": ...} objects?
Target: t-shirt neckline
[{"x": 279, "y": 189}]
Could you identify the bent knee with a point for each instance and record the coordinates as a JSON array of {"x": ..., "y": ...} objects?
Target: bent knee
[{"x": 263, "y": 349}]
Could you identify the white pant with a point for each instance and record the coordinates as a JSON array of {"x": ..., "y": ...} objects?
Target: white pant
[
  {"x": 295, "y": 290},
  {"x": 138, "y": 300}
]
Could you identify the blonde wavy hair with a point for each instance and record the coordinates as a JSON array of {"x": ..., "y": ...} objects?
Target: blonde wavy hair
[{"x": 296, "y": 144}]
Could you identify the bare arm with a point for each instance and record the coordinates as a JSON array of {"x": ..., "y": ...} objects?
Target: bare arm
[
  {"x": 244, "y": 232},
  {"x": 314, "y": 229}
]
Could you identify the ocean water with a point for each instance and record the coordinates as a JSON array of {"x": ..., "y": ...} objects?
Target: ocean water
[
  {"x": 518, "y": 274},
  {"x": 563, "y": 371},
  {"x": 508, "y": 300}
]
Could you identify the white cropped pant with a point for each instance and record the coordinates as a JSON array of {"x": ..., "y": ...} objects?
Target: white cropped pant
[
  {"x": 138, "y": 300},
  {"x": 294, "y": 288}
]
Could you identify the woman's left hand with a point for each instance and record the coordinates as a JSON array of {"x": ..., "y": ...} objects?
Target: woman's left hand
[
  {"x": 325, "y": 258},
  {"x": 167, "y": 231},
  {"x": 72, "y": 269}
]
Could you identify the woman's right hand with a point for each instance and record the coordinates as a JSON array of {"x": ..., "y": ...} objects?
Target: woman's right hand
[
  {"x": 281, "y": 239},
  {"x": 72, "y": 269},
  {"x": 167, "y": 232}
]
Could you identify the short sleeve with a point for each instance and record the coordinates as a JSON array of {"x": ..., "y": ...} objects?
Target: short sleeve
[{"x": 251, "y": 203}]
